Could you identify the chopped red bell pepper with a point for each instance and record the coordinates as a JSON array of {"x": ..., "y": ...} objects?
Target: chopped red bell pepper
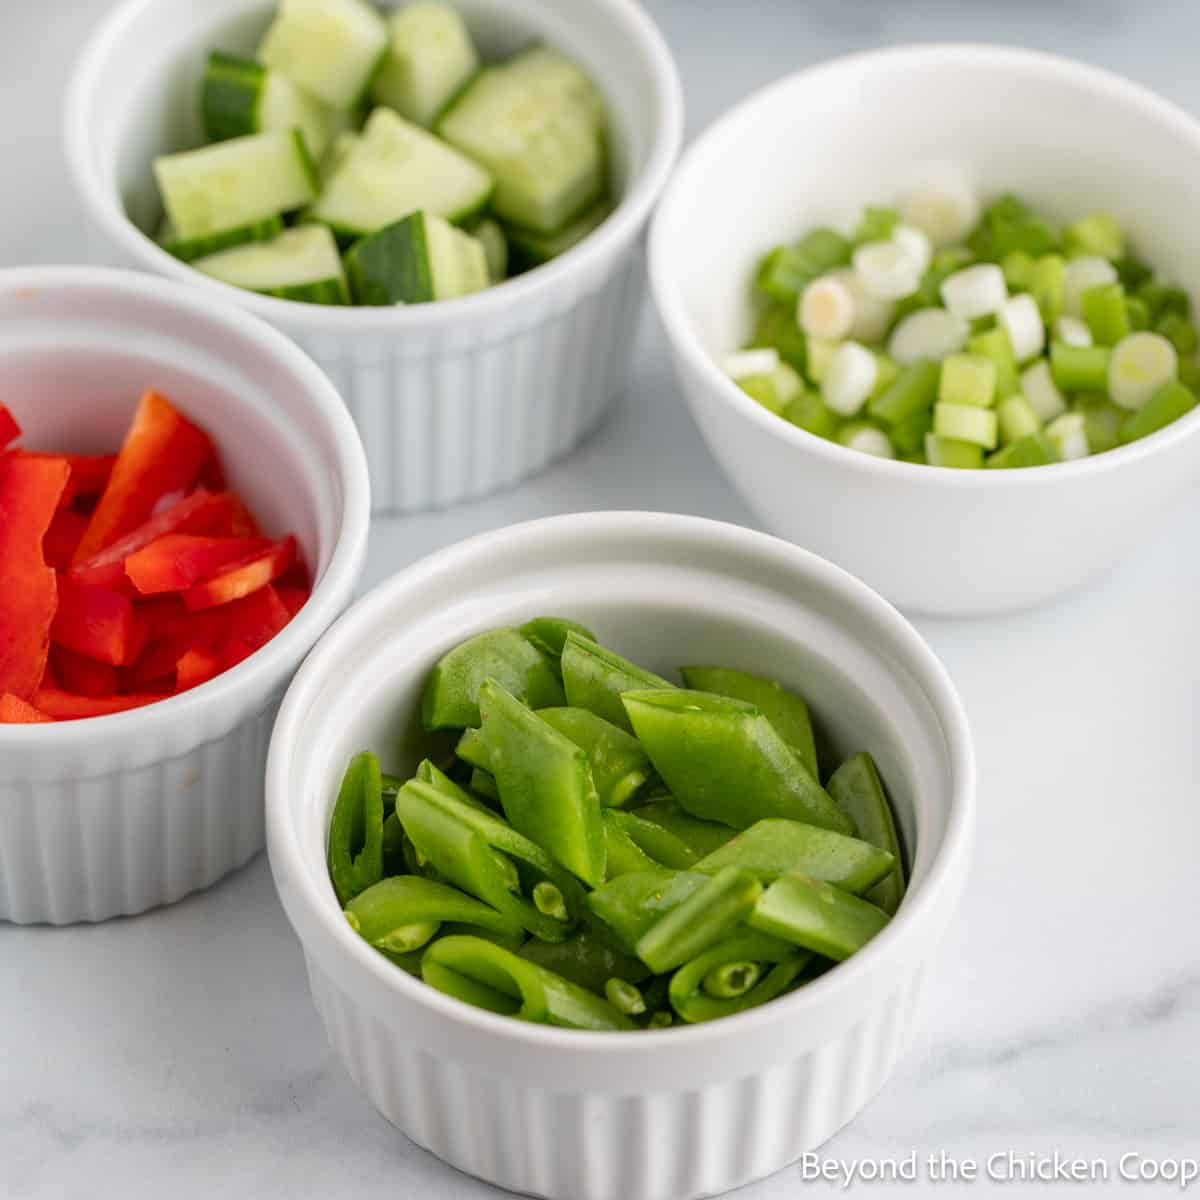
[
  {"x": 29, "y": 493},
  {"x": 211, "y": 475},
  {"x": 97, "y": 622},
  {"x": 64, "y": 706},
  {"x": 194, "y": 668},
  {"x": 244, "y": 578},
  {"x": 82, "y": 675},
  {"x": 62, "y": 537},
  {"x": 177, "y": 561},
  {"x": 15, "y": 711},
  {"x": 259, "y": 617},
  {"x": 9, "y": 429},
  {"x": 163, "y": 451},
  {"x": 293, "y": 598}
]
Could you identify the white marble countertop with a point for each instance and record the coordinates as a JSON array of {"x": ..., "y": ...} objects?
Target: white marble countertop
[{"x": 178, "y": 1054}]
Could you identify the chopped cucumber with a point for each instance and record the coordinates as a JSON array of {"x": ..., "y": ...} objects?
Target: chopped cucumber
[
  {"x": 495, "y": 248},
  {"x": 331, "y": 48},
  {"x": 237, "y": 183},
  {"x": 430, "y": 56},
  {"x": 534, "y": 248},
  {"x": 535, "y": 126},
  {"x": 240, "y": 97},
  {"x": 300, "y": 264},
  {"x": 395, "y": 168},
  {"x": 417, "y": 259},
  {"x": 193, "y": 248}
]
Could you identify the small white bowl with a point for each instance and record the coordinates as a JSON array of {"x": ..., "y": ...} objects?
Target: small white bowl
[
  {"x": 114, "y": 815},
  {"x": 815, "y": 147},
  {"x": 454, "y": 399},
  {"x": 649, "y": 1116}
]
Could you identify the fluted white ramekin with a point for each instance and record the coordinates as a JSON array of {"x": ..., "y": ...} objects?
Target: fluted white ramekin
[
  {"x": 455, "y": 399},
  {"x": 649, "y": 1116},
  {"x": 118, "y": 814}
]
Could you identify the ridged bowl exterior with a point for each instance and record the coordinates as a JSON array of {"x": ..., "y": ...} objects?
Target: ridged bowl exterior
[
  {"x": 656, "y": 1115},
  {"x": 115, "y": 815},
  {"x": 456, "y": 399}
]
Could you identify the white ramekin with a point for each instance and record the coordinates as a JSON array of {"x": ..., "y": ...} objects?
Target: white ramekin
[
  {"x": 653, "y": 1116},
  {"x": 118, "y": 814},
  {"x": 456, "y": 399},
  {"x": 817, "y": 146}
]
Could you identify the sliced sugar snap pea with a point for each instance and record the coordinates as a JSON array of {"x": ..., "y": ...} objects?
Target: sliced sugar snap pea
[
  {"x": 472, "y": 751},
  {"x": 393, "y": 840},
  {"x": 661, "y": 845},
  {"x": 779, "y": 965},
  {"x": 707, "y": 916},
  {"x": 724, "y": 761},
  {"x": 703, "y": 837},
  {"x": 623, "y": 855},
  {"x": 630, "y": 904},
  {"x": 533, "y": 992},
  {"x": 618, "y": 762},
  {"x": 549, "y": 635},
  {"x": 594, "y": 678},
  {"x": 356, "y": 829},
  {"x": 545, "y": 783},
  {"x": 857, "y": 788},
  {"x": 777, "y": 847},
  {"x": 786, "y": 710},
  {"x": 483, "y": 784},
  {"x": 451, "y": 699},
  {"x": 817, "y": 916},
  {"x": 586, "y": 960},
  {"x": 428, "y": 773}
]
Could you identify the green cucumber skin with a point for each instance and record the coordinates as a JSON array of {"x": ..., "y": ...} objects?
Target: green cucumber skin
[
  {"x": 392, "y": 266},
  {"x": 307, "y": 162},
  {"x": 326, "y": 291},
  {"x": 261, "y": 231},
  {"x": 230, "y": 97}
]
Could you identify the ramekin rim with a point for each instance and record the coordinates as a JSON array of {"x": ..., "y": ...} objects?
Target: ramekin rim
[
  {"x": 283, "y": 836},
  {"x": 685, "y": 343},
  {"x": 332, "y": 590},
  {"x": 620, "y": 227}
]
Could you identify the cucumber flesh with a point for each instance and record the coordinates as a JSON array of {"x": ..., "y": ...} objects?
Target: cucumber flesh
[
  {"x": 188, "y": 250},
  {"x": 538, "y": 134},
  {"x": 417, "y": 259},
  {"x": 396, "y": 168},
  {"x": 331, "y": 48},
  {"x": 495, "y": 248},
  {"x": 532, "y": 248},
  {"x": 300, "y": 264},
  {"x": 235, "y": 184},
  {"x": 555, "y": 79},
  {"x": 430, "y": 56},
  {"x": 241, "y": 97}
]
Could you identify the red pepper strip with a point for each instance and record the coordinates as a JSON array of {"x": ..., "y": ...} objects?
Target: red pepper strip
[
  {"x": 62, "y": 537},
  {"x": 162, "y": 451},
  {"x": 219, "y": 515},
  {"x": 210, "y": 474},
  {"x": 159, "y": 661},
  {"x": 9, "y": 429},
  {"x": 84, "y": 676},
  {"x": 293, "y": 598},
  {"x": 29, "y": 492},
  {"x": 194, "y": 668},
  {"x": 175, "y": 562},
  {"x": 15, "y": 711},
  {"x": 243, "y": 579},
  {"x": 89, "y": 474},
  {"x": 96, "y": 622},
  {"x": 63, "y": 706},
  {"x": 258, "y": 618}
]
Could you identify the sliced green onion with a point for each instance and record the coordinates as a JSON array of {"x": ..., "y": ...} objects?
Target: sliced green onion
[
  {"x": 927, "y": 333},
  {"x": 1096, "y": 234},
  {"x": 946, "y": 452},
  {"x": 1069, "y": 436},
  {"x": 886, "y": 270},
  {"x": 1081, "y": 274},
  {"x": 1105, "y": 314},
  {"x": 968, "y": 379},
  {"x": 977, "y": 291},
  {"x": 908, "y": 435},
  {"x": 1137, "y": 313},
  {"x": 1140, "y": 365},
  {"x": 867, "y": 439},
  {"x": 1036, "y": 450},
  {"x": 746, "y": 363},
  {"x": 944, "y": 208},
  {"x": 1017, "y": 419},
  {"x": 1047, "y": 284},
  {"x": 1018, "y": 270},
  {"x": 826, "y": 309},
  {"x": 966, "y": 423},
  {"x": 1162, "y": 298},
  {"x": 1179, "y": 331},
  {"x": 913, "y": 390},
  {"x": 996, "y": 345},
  {"x": 1039, "y": 388},
  {"x": 1081, "y": 368},
  {"x": 849, "y": 378},
  {"x": 1021, "y": 319},
  {"x": 875, "y": 225},
  {"x": 1168, "y": 404},
  {"x": 1102, "y": 422},
  {"x": 820, "y": 355},
  {"x": 1071, "y": 331},
  {"x": 808, "y": 412}
]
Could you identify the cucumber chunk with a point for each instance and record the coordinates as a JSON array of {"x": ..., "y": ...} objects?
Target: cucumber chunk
[
  {"x": 193, "y": 248},
  {"x": 235, "y": 184},
  {"x": 430, "y": 56},
  {"x": 495, "y": 248},
  {"x": 331, "y": 48},
  {"x": 417, "y": 259},
  {"x": 395, "y": 168},
  {"x": 240, "y": 97},
  {"x": 300, "y": 264},
  {"x": 531, "y": 248},
  {"x": 536, "y": 127}
]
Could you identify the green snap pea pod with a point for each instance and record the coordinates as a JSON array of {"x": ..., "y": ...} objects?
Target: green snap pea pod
[
  {"x": 817, "y": 916},
  {"x": 515, "y": 986},
  {"x": 403, "y": 913},
  {"x": 703, "y": 837},
  {"x": 586, "y": 959},
  {"x": 594, "y": 678},
  {"x": 549, "y": 634},
  {"x": 472, "y": 751},
  {"x": 618, "y": 762},
  {"x": 393, "y": 842},
  {"x": 470, "y": 848},
  {"x": 484, "y": 784},
  {"x": 693, "y": 1002},
  {"x": 785, "y": 710},
  {"x": 724, "y": 761},
  {"x": 708, "y": 915},
  {"x": 545, "y": 783},
  {"x": 856, "y": 786},
  {"x": 428, "y": 773},
  {"x": 451, "y": 699},
  {"x": 661, "y": 845},
  {"x": 631, "y": 904},
  {"x": 623, "y": 855},
  {"x": 391, "y": 785},
  {"x": 776, "y": 847},
  {"x": 356, "y": 829}
]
